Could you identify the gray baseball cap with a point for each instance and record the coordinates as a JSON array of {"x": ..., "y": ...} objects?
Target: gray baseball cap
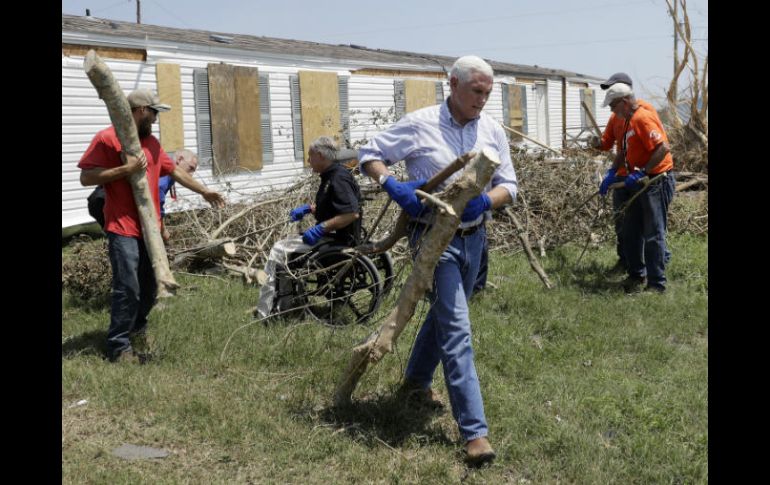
[
  {"x": 618, "y": 77},
  {"x": 145, "y": 97}
]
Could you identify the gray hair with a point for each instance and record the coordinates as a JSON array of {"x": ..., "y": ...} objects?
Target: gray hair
[
  {"x": 324, "y": 146},
  {"x": 466, "y": 65}
]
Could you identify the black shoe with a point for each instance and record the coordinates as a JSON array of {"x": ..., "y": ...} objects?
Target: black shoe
[
  {"x": 634, "y": 284},
  {"x": 619, "y": 268},
  {"x": 655, "y": 288}
]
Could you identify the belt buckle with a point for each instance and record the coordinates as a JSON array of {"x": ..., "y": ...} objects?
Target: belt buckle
[{"x": 467, "y": 231}]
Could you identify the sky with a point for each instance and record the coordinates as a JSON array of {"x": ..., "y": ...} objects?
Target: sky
[{"x": 592, "y": 37}]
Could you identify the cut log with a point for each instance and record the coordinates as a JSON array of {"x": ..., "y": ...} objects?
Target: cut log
[
  {"x": 120, "y": 115},
  {"x": 435, "y": 241},
  {"x": 210, "y": 250}
]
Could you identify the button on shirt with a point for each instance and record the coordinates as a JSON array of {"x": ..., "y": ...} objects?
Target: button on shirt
[{"x": 430, "y": 139}]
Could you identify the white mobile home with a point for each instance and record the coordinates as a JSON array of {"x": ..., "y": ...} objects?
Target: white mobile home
[{"x": 249, "y": 105}]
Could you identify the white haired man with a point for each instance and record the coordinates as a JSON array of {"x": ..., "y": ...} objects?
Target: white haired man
[
  {"x": 337, "y": 209},
  {"x": 427, "y": 140}
]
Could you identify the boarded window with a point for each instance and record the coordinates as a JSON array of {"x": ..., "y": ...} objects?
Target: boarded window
[
  {"x": 320, "y": 106},
  {"x": 236, "y": 118},
  {"x": 170, "y": 92},
  {"x": 245, "y": 157},
  {"x": 515, "y": 109},
  {"x": 588, "y": 97}
]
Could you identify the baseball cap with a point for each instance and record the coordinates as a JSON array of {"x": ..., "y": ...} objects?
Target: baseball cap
[
  {"x": 618, "y": 77},
  {"x": 616, "y": 91},
  {"x": 145, "y": 97}
]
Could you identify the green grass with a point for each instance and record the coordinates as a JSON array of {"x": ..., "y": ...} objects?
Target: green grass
[{"x": 581, "y": 384}]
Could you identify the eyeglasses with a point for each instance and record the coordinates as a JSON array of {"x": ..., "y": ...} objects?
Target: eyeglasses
[{"x": 615, "y": 103}]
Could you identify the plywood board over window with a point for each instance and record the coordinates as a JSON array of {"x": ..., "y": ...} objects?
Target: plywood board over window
[
  {"x": 320, "y": 106},
  {"x": 170, "y": 93},
  {"x": 236, "y": 132},
  {"x": 517, "y": 109},
  {"x": 419, "y": 94}
]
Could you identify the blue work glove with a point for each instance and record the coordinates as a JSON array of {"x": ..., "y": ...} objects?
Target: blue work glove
[
  {"x": 298, "y": 213},
  {"x": 634, "y": 178},
  {"x": 475, "y": 207},
  {"x": 609, "y": 179},
  {"x": 403, "y": 194},
  {"x": 313, "y": 235}
]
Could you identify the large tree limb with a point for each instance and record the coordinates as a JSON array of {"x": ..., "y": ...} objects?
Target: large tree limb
[
  {"x": 399, "y": 230},
  {"x": 435, "y": 241},
  {"x": 120, "y": 114}
]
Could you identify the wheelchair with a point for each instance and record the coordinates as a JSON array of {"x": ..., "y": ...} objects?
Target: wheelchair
[{"x": 333, "y": 284}]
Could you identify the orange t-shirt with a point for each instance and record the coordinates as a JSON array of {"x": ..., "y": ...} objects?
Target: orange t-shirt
[
  {"x": 615, "y": 129},
  {"x": 645, "y": 132}
]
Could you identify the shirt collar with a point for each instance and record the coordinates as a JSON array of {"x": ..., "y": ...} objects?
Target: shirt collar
[{"x": 446, "y": 115}]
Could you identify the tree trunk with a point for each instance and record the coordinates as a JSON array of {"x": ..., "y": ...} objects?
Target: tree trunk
[
  {"x": 120, "y": 114},
  {"x": 436, "y": 239}
]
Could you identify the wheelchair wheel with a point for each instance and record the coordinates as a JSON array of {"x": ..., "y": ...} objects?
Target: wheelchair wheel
[
  {"x": 341, "y": 289},
  {"x": 384, "y": 264}
]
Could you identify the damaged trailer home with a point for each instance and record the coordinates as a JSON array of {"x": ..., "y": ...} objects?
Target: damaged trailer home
[{"x": 249, "y": 105}]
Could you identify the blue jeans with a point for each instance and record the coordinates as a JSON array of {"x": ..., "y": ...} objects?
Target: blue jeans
[
  {"x": 481, "y": 279},
  {"x": 445, "y": 336},
  {"x": 133, "y": 291},
  {"x": 644, "y": 231},
  {"x": 619, "y": 197}
]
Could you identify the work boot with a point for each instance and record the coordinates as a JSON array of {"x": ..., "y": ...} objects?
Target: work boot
[
  {"x": 142, "y": 343},
  {"x": 618, "y": 269},
  {"x": 126, "y": 357},
  {"x": 414, "y": 395},
  {"x": 478, "y": 452},
  {"x": 655, "y": 288},
  {"x": 634, "y": 284}
]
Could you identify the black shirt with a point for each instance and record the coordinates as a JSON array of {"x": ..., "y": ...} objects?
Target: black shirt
[{"x": 339, "y": 194}]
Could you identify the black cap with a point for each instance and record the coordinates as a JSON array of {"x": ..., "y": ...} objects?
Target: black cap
[{"x": 618, "y": 77}]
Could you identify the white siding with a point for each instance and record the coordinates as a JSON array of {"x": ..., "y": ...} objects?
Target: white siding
[
  {"x": 602, "y": 114},
  {"x": 83, "y": 114},
  {"x": 554, "y": 113},
  {"x": 494, "y": 106},
  {"x": 372, "y": 107},
  {"x": 574, "y": 124}
]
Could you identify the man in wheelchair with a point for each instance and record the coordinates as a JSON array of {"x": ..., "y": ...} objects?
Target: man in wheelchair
[{"x": 337, "y": 209}]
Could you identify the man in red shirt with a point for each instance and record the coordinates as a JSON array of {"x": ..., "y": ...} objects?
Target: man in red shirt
[
  {"x": 644, "y": 152},
  {"x": 133, "y": 281}
]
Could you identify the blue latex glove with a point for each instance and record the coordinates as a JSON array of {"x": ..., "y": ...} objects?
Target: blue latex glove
[
  {"x": 403, "y": 194},
  {"x": 475, "y": 207},
  {"x": 298, "y": 213},
  {"x": 313, "y": 235},
  {"x": 634, "y": 178},
  {"x": 609, "y": 179}
]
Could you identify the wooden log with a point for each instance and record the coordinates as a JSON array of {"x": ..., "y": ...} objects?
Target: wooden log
[
  {"x": 435, "y": 241},
  {"x": 591, "y": 119},
  {"x": 120, "y": 115},
  {"x": 216, "y": 249},
  {"x": 399, "y": 230}
]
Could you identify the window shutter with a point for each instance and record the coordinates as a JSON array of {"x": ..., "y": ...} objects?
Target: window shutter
[
  {"x": 400, "y": 98},
  {"x": 264, "y": 108},
  {"x": 525, "y": 118},
  {"x": 202, "y": 116},
  {"x": 439, "y": 92},
  {"x": 342, "y": 82},
  {"x": 296, "y": 118}
]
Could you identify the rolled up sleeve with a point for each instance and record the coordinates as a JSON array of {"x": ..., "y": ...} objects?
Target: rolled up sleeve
[{"x": 389, "y": 146}]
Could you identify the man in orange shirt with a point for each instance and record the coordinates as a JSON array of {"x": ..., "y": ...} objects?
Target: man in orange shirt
[
  {"x": 612, "y": 136},
  {"x": 644, "y": 152}
]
